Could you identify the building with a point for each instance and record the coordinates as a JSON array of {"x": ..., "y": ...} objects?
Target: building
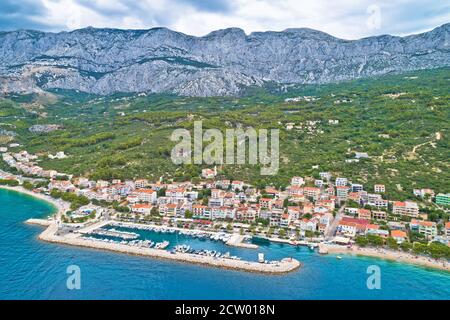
[
  {"x": 379, "y": 188},
  {"x": 427, "y": 228},
  {"x": 297, "y": 181},
  {"x": 341, "y": 182},
  {"x": 342, "y": 193},
  {"x": 379, "y": 215},
  {"x": 364, "y": 214},
  {"x": 443, "y": 199},
  {"x": 447, "y": 229},
  {"x": 356, "y": 187},
  {"x": 146, "y": 195},
  {"x": 407, "y": 208},
  {"x": 312, "y": 192},
  {"x": 209, "y": 173},
  {"x": 141, "y": 208},
  {"x": 399, "y": 236}
]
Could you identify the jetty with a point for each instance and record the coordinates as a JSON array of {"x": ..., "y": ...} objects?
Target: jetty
[
  {"x": 237, "y": 240},
  {"x": 50, "y": 234}
]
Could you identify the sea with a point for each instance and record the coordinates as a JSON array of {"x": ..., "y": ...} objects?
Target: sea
[{"x": 32, "y": 269}]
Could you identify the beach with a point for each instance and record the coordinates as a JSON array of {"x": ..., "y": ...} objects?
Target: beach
[
  {"x": 59, "y": 204},
  {"x": 381, "y": 253}
]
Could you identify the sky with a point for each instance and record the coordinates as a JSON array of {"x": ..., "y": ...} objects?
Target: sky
[{"x": 348, "y": 19}]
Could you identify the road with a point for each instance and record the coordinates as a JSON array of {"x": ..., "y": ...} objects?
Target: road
[{"x": 332, "y": 229}]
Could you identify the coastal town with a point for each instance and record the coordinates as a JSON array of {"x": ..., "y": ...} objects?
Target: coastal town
[{"x": 331, "y": 213}]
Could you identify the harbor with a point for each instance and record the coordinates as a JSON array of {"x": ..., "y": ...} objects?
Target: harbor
[{"x": 109, "y": 241}]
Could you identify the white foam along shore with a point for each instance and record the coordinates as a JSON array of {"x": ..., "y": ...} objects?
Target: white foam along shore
[
  {"x": 385, "y": 254},
  {"x": 75, "y": 239}
]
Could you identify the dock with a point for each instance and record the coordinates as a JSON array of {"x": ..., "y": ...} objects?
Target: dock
[{"x": 237, "y": 240}]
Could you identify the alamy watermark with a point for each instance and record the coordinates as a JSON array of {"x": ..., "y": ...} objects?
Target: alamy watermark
[
  {"x": 74, "y": 279},
  {"x": 374, "y": 279},
  {"x": 235, "y": 144}
]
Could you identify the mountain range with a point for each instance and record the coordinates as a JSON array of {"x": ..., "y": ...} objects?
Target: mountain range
[{"x": 222, "y": 63}]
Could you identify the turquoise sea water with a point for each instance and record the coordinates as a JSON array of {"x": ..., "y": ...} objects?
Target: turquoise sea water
[{"x": 31, "y": 269}]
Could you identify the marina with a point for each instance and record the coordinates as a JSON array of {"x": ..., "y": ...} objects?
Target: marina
[
  {"x": 147, "y": 247},
  {"x": 143, "y": 278}
]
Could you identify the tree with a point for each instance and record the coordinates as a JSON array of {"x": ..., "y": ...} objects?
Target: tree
[
  {"x": 154, "y": 212},
  {"x": 28, "y": 185},
  {"x": 406, "y": 246},
  {"x": 392, "y": 243},
  {"x": 361, "y": 241},
  {"x": 188, "y": 214}
]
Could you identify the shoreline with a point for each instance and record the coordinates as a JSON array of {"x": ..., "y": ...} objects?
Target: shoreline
[
  {"x": 284, "y": 266},
  {"x": 386, "y": 254},
  {"x": 60, "y": 206}
]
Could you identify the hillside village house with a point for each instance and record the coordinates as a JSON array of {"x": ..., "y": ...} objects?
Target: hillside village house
[
  {"x": 379, "y": 188},
  {"x": 379, "y": 215},
  {"x": 447, "y": 229},
  {"x": 297, "y": 181},
  {"x": 407, "y": 208},
  {"x": 141, "y": 208},
  {"x": 146, "y": 195},
  {"x": 427, "y": 228},
  {"x": 399, "y": 236},
  {"x": 341, "y": 182},
  {"x": 443, "y": 199}
]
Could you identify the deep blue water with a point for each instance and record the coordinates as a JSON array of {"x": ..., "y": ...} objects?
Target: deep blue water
[{"x": 31, "y": 269}]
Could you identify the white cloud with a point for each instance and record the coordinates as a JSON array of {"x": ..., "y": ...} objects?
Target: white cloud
[{"x": 342, "y": 18}]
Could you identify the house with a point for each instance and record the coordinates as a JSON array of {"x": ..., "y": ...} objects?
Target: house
[
  {"x": 407, "y": 208},
  {"x": 423, "y": 192},
  {"x": 325, "y": 175},
  {"x": 209, "y": 173},
  {"x": 297, "y": 181},
  {"x": 237, "y": 185},
  {"x": 375, "y": 200},
  {"x": 364, "y": 214},
  {"x": 275, "y": 217},
  {"x": 379, "y": 215},
  {"x": 311, "y": 192},
  {"x": 351, "y": 211},
  {"x": 361, "y": 155},
  {"x": 342, "y": 193},
  {"x": 61, "y": 185},
  {"x": 356, "y": 187},
  {"x": 347, "y": 228},
  {"x": 265, "y": 203},
  {"x": 379, "y": 188},
  {"x": 146, "y": 195},
  {"x": 359, "y": 224},
  {"x": 285, "y": 220},
  {"x": 141, "y": 208},
  {"x": 443, "y": 199},
  {"x": 318, "y": 183},
  {"x": 294, "y": 212},
  {"x": 199, "y": 210},
  {"x": 272, "y": 191},
  {"x": 375, "y": 230},
  {"x": 427, "y": 228},
  {"x": 295, "y": 191},
  {"x": 447, "y": 229},
  {"x": 141, "y": 183},
  {"x": 342, "y": 182},
  {"x": 399, "y": 236}
]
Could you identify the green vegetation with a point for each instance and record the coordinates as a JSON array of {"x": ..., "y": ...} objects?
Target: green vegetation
[
  {"x": 11, "y": 183},
  {"x": 127, "y": 136},
  {"x": 75, "y": 201}
]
